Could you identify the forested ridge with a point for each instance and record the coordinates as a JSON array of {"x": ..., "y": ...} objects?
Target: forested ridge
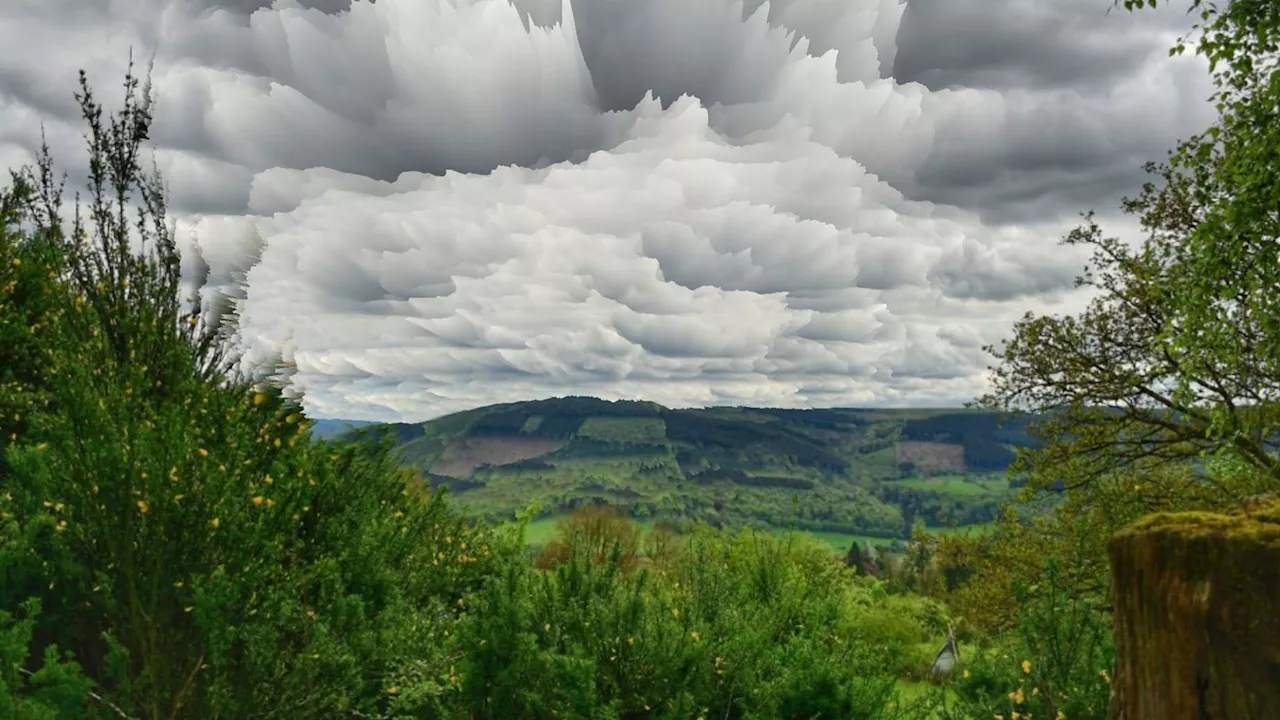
[{"x": 823, "y": 470}]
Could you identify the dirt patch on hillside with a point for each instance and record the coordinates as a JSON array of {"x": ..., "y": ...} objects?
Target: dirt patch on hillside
[
  {"x": 932, "y": 455},
  {"x": 463, "y": 456}
]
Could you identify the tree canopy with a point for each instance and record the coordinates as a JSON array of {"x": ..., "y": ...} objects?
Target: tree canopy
[{"x": 1176, "y": 359}]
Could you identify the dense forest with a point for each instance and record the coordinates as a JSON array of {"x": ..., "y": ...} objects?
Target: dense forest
[{"x": 175, "y": 542}]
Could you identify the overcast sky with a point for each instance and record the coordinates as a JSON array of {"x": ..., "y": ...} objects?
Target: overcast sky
[{"x": 441, "y": 204}]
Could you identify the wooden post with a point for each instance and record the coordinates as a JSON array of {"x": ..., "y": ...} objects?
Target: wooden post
[{"x": 1197, "y": 617}]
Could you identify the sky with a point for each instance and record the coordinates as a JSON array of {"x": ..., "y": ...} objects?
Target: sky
[{"x": 433, "y": 205}]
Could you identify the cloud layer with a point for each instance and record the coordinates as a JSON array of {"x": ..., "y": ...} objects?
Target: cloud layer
[{"x": 439, "y": 204}]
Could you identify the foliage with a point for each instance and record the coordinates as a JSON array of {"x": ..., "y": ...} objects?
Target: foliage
[
  {"x": 58, "y": 689},
  {"x": 198, "y": 555},
  {"x": 599, "y": 533},
  {"x": 1054, "y": 664},
  {"x": 1178, "y": 356},
  {"x": 1223, "y": 264},
  {"x": 978, "y": 575},
  {"x": 725, "y": 626}
]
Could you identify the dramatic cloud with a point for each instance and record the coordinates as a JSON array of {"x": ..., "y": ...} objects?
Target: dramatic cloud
[{"x": 437, "y": 204}]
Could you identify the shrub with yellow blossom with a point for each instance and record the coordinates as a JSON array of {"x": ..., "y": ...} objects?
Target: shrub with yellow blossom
[{"x": 185, "y": 539}]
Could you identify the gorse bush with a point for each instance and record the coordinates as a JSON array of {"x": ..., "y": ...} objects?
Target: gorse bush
[
  {"x": 742, "y": 626},
  {"x": 183, "y": 537},
  {"x": 1058, "y": 668},
  {"x": 57, "y": 689},
  {"x": 1056, "y": 659},
  {"x": 598, "y": 530}
]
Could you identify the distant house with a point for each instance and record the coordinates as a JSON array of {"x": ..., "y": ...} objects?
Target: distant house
[
  {"x": 862, "y": 557},
  {"x": 947, "y": 658}
]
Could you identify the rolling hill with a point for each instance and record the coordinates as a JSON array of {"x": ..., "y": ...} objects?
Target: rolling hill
[{"x": 867, "y": 472}]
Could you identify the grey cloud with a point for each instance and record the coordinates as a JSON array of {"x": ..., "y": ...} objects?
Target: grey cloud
[
  {"x": 1088, "y": 97},
  {"x": 1028, "y": 44},
  {"x": 974, "y": 271},
  {"x": 642, "y": 199},
  {"x": 248, "y": 7}
]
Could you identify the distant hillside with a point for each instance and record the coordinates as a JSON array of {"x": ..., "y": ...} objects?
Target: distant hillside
[
  {"x": 842, "y": 470},
  {"x": 325, "y": 429}
]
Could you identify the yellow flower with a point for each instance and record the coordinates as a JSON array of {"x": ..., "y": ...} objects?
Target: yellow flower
[
  {"x": 1017, "y": 696},
  {"x": 204, "y": 453},
  {"x": 694, "y": 635},
  {"x": 1026, "y": 666},
  {"x": 675, "y": 612},
  {"x": 1015, "y": 715},
  {"x": 965, "y": 674},
  {"x": 271, "y": 503},
  {"x": 257, "y": 499},
  {"x": 393, "y": 691},
  {"x": 259, "y": 398},
  {"x": 1061, "y": 716},
  {"x": 267, "y": 480},
  {"x": 546, "y": 628},
  {"x": 62, "y": 526},
  {"x": 143, "y": 507},
  {"x": 17, "y": 262},
  {"x": 214, "y": 523}
]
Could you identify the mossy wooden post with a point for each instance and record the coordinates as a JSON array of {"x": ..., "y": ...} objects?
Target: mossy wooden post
[{"x": 1197, "y": 617}]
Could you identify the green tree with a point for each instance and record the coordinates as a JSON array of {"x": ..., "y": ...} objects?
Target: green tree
[{"x": 1177, "y": 357}]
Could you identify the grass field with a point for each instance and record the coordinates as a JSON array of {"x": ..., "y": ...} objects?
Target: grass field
[
  {"x": 840, "y": 542},
  {"x": 542, "y": 530},
  {"x": 958, "y": 485}
]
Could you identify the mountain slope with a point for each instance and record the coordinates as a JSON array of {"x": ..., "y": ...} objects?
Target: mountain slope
[{"x": 840, "y": 470}]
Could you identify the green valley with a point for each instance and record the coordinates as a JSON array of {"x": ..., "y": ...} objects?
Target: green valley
[{"x": 837, "y": 473}]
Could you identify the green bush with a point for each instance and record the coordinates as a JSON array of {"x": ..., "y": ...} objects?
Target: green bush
[
  {"x": 1054, "y": 663},
  {"x": 187, "y": 542},
  {"x": 58, "y": 689},
  {"x": 727, "y": 626}
]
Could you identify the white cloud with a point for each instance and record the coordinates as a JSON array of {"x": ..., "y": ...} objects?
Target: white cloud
[{"x": 458, "y": 202}]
